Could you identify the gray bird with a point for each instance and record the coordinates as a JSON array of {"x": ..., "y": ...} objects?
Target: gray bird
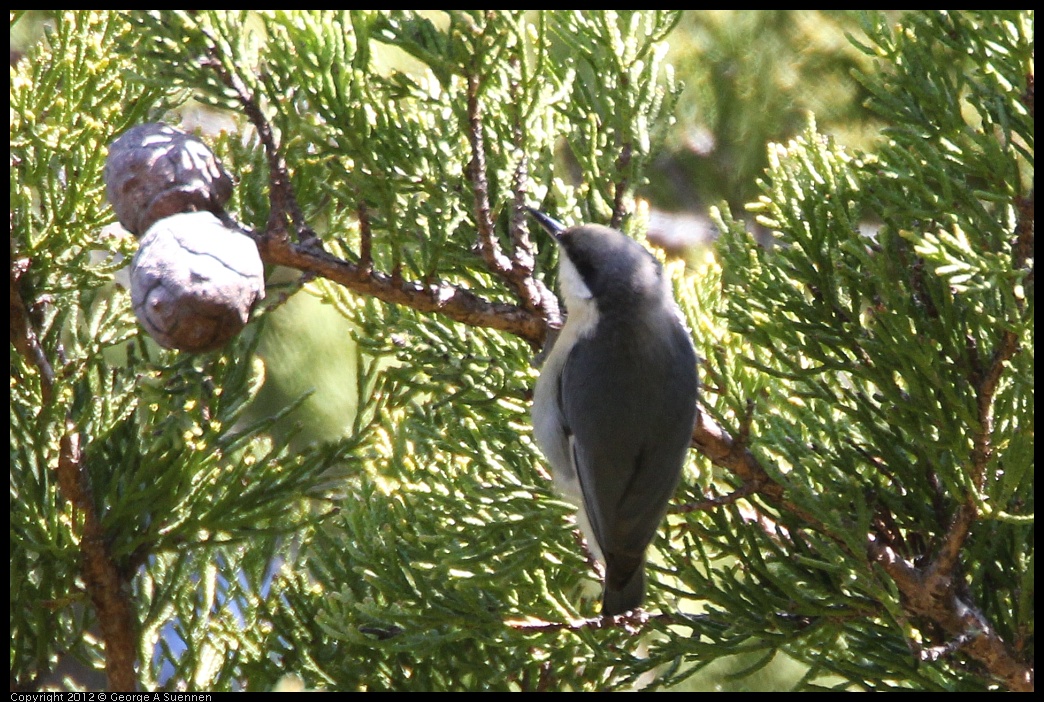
[{"x": 615, "y": 405}]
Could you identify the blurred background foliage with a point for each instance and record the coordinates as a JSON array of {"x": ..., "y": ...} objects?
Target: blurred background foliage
[{"x": 752, "y": 78}]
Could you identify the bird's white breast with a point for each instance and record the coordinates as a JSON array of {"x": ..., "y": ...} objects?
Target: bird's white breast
[{"x": 548, "y": 423}]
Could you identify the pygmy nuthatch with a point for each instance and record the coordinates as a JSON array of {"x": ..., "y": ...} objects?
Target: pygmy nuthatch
[{"x": 615, "y": 405}]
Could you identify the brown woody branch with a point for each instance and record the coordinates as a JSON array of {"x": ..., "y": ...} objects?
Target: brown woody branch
[
  {"x": 105, "y": 583},
  {"x": 284, "y": 205},
  {"x": 710, "y": 503},
  {"x": 488, "y": 245},
  {"x": 103, "y": 579},
  {"x": 516, "y": 270},
  {"x": 621, "y": 187},
  {"x": 23, "y": 336},
  {"x": 930, "y": 592},
  {"x": 937, "y": 598},
  {"x": 443, "y": 298}
]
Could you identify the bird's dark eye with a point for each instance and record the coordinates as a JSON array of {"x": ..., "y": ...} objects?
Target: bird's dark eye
[
  {"x": 580, "y": 260},
  {"x": 586, "y": 270}
]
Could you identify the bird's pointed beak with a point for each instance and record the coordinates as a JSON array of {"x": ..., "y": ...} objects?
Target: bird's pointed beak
[{"x": 551, "y": 226}]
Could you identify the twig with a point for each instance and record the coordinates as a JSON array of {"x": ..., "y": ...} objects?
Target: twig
[
  {"x": 23, "y": 336},
  {"x": 714, "y": 502},
  {"x": 621, "y": 187},
  {"x": 488, "y": 245},
  {"x": 517, "y": 270},
  {"x": 937, "y": 601},
  {"x": 281, "y": 192},
  {"x": 101, "y": 575},
  {"x": 926, "y": 592},
  {"x": 522, "y": 252},
  {"x": 452, "y": 301},
  {"x": 722, "y": 450}
]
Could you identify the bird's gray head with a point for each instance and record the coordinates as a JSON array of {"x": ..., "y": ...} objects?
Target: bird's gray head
[{"x": 604, "y": 264}]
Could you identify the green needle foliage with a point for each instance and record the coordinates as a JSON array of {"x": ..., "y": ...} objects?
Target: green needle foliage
[
  {"x": 176, "y": 534},
  {"x": 130, "y": 468},
  {"x": 896, "y": 362}
]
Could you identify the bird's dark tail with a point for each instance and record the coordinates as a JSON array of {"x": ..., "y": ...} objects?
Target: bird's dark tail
[{"x": 624, "y": 585}]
